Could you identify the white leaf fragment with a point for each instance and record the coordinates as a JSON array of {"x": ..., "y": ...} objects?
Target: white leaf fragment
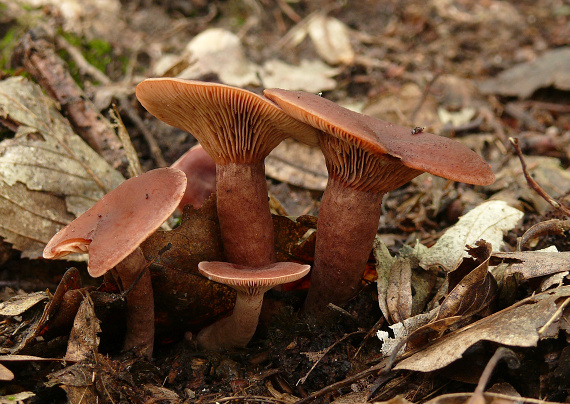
[
  {"x": 331, "y": 40},
  {"x": 488, "y": 221}
]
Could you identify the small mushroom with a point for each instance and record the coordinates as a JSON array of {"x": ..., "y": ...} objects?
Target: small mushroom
[
  {"x": 238, "y": 129},
  {"x": 200, "y": 172},
  {"x": 111, "y": 232},
  {"x": 365, "y": 158},
  {"x": 237, "y": 330}
]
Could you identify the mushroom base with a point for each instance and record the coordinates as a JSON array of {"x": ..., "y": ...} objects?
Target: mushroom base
[
  {"x": 243, "y": 210},
  {"x": 236, "y": 330},
  {"x": 346, "y": 227},
  {"x": 140, "y": 304}
]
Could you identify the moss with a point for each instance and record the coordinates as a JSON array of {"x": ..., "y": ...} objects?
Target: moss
[
  {"x": 97, "y": 52},
  {"x": 7, "y": 44}
]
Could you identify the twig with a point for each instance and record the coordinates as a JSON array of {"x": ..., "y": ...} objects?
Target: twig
[
  {"x": 500, "y": 353},
  {"x": 98, "y": 75},
  {"x": 554, "y": 317},
  {"x": 369, "y": 334},
  {"x": 542, "y": 229},
  {"x": 323, "y": 353},
  {"x": 37, "y": 54},
  {"x": 134, "y": 163},
  {"x": 533, "y": 184},
  {"x": 349, "y": 380}
]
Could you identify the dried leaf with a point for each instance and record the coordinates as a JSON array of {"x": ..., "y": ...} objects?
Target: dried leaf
[
  {"x": 19, "y": 304},
  {"x": 219, "y": 51},
  {"x": 297, "y": 164},
  {"x": 518, "y": 325},
  {"x": 550, "y": 69},
  {"x": 84, "y": 339},
  {"x": 399, "y": 293},
  {"x": 310, "y": 75},
  {"x": 547, "y": 171},
  {"x": 472, "y": 287},
  {"x": 48, "y": 174},
  {"x": 330, "y": 39},
  {"x": 383, "y": 263},
  {"x": 183, "y": 297},
  {"x": 398, "y": 106},
  {"x": 489, "y": 221},
  {"x": 534, "y": 264}
]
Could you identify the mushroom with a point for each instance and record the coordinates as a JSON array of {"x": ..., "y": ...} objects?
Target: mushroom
[
  {"x": 111, "y": 232},
  {"x": 237, "y": 330},
  {"x": 365, "y": 158},
  {"x": 238, "y": 129},
  {"x": 200, "y": 172}
]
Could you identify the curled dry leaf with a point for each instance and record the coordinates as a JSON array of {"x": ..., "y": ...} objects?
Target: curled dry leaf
[
  {"x": 48, "y": 174},
  {"x": 488, "y": 221},
  {"x": 383, "y": 263},
  {"x": 518, "y": 325},
  {"x": 472, "y": 287}
]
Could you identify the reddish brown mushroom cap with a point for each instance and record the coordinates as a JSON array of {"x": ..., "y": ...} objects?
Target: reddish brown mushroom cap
[
  {"x": 422, "y": 151},
  {"x": 252, "y": 281},
  {"x": 200, "y": 172},
  {"x": 232, "y": 124},
  {"x": 250, "y": 284},
  {"x": 118, "y": 223}
]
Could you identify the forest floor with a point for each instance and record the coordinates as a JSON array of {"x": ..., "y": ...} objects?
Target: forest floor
[{"x": 494, "y": 75}]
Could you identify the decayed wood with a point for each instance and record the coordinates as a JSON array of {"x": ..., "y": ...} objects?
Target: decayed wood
[{"x": 36, "y": 53}]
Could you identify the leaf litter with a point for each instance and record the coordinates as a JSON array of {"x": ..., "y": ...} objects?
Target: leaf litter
[{"x": 453, "y": 301}]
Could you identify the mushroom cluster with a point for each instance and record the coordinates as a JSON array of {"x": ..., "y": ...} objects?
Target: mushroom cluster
[
  {"x": 365, "y": 158},
  {"x": 237, "y": 129}
]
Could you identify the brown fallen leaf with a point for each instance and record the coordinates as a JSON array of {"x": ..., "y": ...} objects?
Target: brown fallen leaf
[
  {"x": 399, "y": 293},
  {"x": 48, "y": 175},
  {"x": 550, "y": 69},
  {"x": 471, "y": 287},
  {"x": 295, "y": 239},
  {"x": 533, "y": 264},
  {"x": 184, "y": 299},
  {"x": 84, "y": 339},
  {"x": 522, "y": 325}
]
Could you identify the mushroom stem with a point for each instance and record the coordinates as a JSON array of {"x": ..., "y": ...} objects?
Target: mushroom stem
[
  {"x": 237, "y": 329},
  {"x": 140, "y": 303},
  {"x": 243, "y": 210},
  {"x": 345, "y": 214}
]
